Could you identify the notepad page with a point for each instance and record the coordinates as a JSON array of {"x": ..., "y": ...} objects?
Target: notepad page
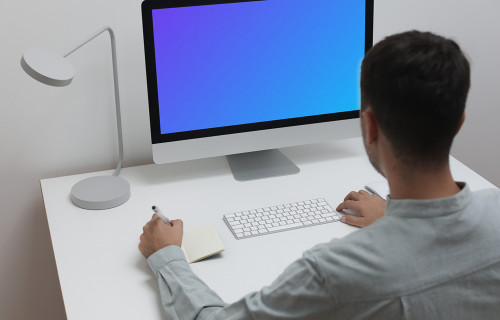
[{"x": 201, "y": 243}]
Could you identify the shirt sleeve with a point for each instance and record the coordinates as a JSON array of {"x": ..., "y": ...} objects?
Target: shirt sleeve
[
  {"x": 183, "y": 294},
  {"x": 300, "y": 292}
]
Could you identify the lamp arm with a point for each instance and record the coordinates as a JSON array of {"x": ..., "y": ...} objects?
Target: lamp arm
[{"x": 117, "y": 93}]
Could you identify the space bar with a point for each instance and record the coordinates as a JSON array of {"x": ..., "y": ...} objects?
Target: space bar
[{"x": 286, "y": 226}]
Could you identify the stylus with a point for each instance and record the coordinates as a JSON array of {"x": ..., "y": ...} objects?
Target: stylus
[{"x": 161, "y": 215}]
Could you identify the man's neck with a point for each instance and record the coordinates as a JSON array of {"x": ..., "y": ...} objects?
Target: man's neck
[{"x": 421, "y": 184}]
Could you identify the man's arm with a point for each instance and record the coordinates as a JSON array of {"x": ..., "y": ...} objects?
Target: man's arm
[
  {"x": 299, "y": 293},
  {"x": 183, "y": 294}
]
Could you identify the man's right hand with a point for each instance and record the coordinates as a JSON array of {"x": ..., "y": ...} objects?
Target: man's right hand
[
  {"x": 369, "y": 206},
  {"x": 158, "y": 234}
]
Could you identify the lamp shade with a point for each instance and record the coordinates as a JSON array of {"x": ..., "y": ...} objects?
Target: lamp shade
[{"x": 47, "y": 67}]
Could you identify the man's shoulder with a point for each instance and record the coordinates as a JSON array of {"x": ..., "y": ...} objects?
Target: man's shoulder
[
  {"x": 492, "y": 194},
  {"x": 486, "y": 201}
]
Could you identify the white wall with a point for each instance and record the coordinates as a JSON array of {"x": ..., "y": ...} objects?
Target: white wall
[
  {"x": 476, "y": 27},
  {"x": 47, "y": 132}
]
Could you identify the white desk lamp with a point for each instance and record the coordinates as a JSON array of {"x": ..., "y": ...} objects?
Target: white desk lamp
[{"x": 95, "y": 193}]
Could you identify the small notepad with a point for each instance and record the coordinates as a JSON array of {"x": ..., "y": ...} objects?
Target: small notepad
[{"x": 201, "y": 243}]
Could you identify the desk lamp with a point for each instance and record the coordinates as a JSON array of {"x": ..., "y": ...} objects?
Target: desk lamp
[{"x": 95, "y": 193}]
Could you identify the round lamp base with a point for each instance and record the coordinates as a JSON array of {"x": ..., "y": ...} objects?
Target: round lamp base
[{"x": 100, "y": 193}]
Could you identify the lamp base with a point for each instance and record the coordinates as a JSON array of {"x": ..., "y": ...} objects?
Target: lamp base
[{"x": 100, "y": 193}]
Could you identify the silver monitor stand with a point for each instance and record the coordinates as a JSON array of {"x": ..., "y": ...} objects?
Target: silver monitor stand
[{"x": 260, "y": 165}]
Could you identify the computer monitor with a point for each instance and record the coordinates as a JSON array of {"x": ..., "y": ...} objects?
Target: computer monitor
[{"x": 242, "y": 78}]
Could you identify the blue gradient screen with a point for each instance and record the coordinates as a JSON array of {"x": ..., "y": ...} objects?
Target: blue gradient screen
[{"x": 229, "y": 64}]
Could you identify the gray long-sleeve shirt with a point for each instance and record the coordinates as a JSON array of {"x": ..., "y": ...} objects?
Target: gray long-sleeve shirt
[{"x": 425, "y": 259}]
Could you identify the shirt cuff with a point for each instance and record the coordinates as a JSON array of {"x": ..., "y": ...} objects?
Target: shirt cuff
[{"x": 164, "y": 256}]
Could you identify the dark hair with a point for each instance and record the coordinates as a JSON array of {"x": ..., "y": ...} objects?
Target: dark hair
[{"x": 416, "y": 83}]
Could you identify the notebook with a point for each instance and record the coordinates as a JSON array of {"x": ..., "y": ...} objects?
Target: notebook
[{"x": 201, "y": 243}]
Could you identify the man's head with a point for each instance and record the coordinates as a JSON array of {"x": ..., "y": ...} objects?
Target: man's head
[{"x": 416, "y": 86}]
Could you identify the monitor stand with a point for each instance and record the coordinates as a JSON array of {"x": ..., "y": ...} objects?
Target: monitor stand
[{"x": 260, "y": 165}]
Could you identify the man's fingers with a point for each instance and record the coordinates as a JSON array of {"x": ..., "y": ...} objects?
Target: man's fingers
[
  {"x": 353, "y": 221},
  {"x": 349, "y": 204},
  {"x": 177, "y": 223},
  {"x": 364, "y": 193},
  {"x": 353, "y": 195}
]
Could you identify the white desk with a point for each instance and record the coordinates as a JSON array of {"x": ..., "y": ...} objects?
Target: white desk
[{"x": 104, "y": 276}]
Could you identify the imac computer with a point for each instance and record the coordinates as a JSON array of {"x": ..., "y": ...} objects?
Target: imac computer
[{"x": 243, "y": 78}]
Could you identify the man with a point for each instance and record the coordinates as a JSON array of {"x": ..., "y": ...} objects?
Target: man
[{"x": 435, "y": 252}]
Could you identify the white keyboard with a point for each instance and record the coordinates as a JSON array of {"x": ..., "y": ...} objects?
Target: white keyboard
[{"x": 257, "y": 222}]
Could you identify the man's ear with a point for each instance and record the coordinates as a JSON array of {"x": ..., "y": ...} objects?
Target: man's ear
[
  {"x": 461, "y": 123},
  {"x": 371, "y": 128}
]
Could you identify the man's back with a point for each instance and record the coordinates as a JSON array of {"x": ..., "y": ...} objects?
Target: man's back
[{"x": 426, "y": 259}]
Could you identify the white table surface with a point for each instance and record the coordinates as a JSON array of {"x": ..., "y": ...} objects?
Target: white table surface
[{"x": 104, "y": 276}]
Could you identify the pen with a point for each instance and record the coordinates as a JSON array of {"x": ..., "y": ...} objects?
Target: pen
[{"x": 161, "y": 215}]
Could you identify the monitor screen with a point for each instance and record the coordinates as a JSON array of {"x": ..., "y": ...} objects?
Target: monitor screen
[{"x": 223, "y": 67}]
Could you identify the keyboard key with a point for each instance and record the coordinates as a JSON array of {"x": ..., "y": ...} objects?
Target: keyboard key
[{"x": 295, "y": 225}]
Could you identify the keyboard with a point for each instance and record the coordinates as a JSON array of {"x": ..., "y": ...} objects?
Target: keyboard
[{"x": 258, "y": 222}]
